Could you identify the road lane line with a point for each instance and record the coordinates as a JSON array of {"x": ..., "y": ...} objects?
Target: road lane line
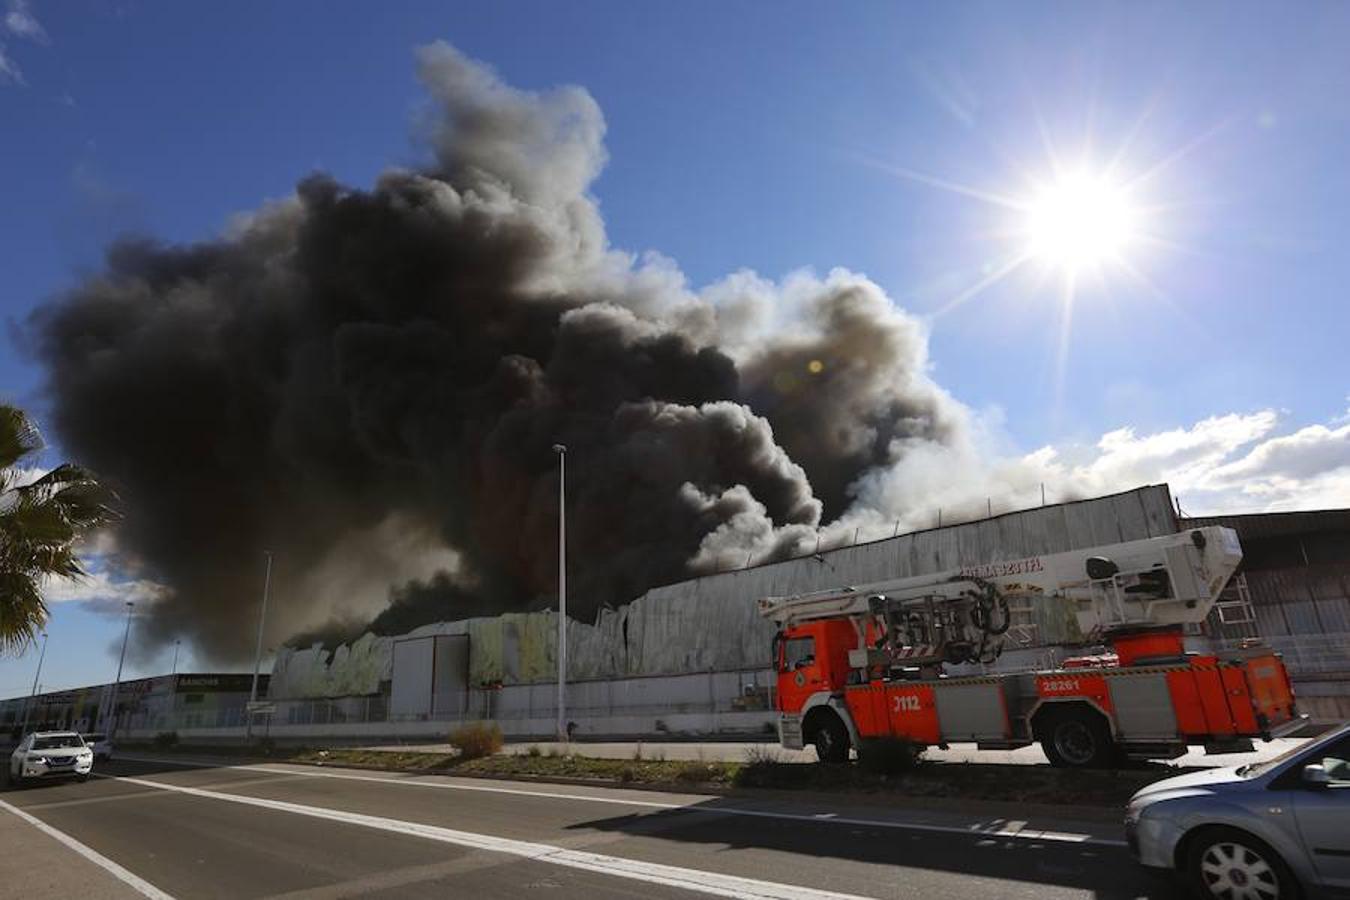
[
  {"x": 132, "y": 880},
  {"x": 653, "y": 873},
  {"x": 1020, "y": 833}
]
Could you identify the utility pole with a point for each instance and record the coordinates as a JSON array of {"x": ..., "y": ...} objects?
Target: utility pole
[
  {"x": 32, "y": 695},
  {"x": 257, "y": 654},
  {"x": 175, "y": 657},
  {"x": 117, "y": 684},
  {"x": 561, "y": 450}
]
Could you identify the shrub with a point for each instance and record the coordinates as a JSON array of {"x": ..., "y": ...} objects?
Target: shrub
[
  {"x": 477, "y": 740},
  {"x": 763, "y": 755},
  {"x": 695, "y": 772},
  {"x": 166, "y": 740},
  {"x": 533, "y": 751},
  {"x": 889, "y": 756}
]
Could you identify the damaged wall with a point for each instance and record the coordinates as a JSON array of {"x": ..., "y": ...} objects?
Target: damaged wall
[{"x": 711, "y": 624}]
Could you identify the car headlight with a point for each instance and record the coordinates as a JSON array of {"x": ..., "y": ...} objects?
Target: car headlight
[{"x": 40, "y": 760}]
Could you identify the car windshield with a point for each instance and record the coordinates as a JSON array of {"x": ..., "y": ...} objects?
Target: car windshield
[
  {"x": 58, "y": 742},
  {"x": 93, "y": 738},
  {"x": 1255, "y": 770}
]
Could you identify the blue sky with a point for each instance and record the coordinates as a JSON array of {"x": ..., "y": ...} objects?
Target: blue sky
[{"x": 776, "y": 138}]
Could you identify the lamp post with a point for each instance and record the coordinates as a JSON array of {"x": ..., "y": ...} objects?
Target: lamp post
[
  {"x": 32, "y": 695},
  {"x": 561, "y": 450},
  {"x": 257, "y": 655},
  {"x": 117, "y": 684},
  {"x": 175, "y": 657}
]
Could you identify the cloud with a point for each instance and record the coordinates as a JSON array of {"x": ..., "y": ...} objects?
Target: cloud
[
  {"x": 10, "y": 73},
  {"x": 100, "y": 593},
  {"x": 1230, "y": 463},
  {"x": 20, "y": 22},
  {"x": 1307, "y": 468}
]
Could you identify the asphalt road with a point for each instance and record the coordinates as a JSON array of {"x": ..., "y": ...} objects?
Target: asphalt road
[{"x": 274, "y": 830}]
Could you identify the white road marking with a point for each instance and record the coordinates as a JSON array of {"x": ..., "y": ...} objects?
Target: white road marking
[
  {"x": 654, "y": 873},
  {"x": 1017, "y": 831},
  {"x": 135, "y": 882}
]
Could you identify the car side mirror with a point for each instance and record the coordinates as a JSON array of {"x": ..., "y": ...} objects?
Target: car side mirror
[{"x": 1315, "y": 777}]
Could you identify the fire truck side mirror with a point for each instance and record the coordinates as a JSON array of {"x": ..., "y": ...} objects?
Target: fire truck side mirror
[{"x": 1100, "y": 568}]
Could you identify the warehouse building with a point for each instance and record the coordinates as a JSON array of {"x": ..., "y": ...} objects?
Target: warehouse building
[
  {"x": 693, "y": 657},
  {"x": 144, "y": 705}
]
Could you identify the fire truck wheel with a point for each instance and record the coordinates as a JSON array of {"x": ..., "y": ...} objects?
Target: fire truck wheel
[
  {"x": 830, "y": 738},
  {"x": 1077, "y": 738}
]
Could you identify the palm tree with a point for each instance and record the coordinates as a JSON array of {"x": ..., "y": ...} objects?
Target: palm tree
[{"x": 41, "y": 521}]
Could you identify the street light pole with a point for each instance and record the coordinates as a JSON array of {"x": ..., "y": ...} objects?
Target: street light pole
[
  {"x": 117, "y": 684},
  {"x": 257, "y": 655},
  {"x": 32, "y": 695},
  {"x": 175, "y": 657},
  {"x": 561, "y": 450}
]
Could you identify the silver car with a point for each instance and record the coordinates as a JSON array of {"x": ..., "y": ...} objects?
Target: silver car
[
  {"x": 100, "y": 744},
  {"x": 1269, "y": 831}
]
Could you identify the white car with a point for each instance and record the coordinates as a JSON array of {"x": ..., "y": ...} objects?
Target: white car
[
  {"x": 101, "y": 744},
  {"x": 50, "y": 754}
]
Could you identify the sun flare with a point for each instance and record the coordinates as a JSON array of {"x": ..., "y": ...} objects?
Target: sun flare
[{"x": 1079, "y": 221}]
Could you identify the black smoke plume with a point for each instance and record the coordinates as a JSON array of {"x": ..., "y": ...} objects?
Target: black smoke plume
[{"x": 369, "y": 384}]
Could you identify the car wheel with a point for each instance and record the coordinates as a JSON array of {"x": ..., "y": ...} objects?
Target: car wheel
[
  {"x": 1077, "y": 738},
  {"x": 82, "y": 778},
  {"x": 1228, "y": 864}
]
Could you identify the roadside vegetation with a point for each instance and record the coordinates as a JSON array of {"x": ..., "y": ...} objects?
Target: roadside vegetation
[
  {"x": 898, "y": 772},
  {"x": 477, "y": 740}
]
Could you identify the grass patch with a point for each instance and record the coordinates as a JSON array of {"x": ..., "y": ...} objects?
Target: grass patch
[
  {"x": 621, "y": 771},
  {"x": 899, "y": 774}
]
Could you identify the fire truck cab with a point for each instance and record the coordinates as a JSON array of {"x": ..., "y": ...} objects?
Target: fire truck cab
[{"x": 859, "y": 666}]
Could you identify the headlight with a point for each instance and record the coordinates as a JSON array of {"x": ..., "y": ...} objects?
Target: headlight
[{"x": 40, "y": 760}]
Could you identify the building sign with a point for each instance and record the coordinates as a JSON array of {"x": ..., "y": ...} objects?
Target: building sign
[{"x": 219, "y": 684}]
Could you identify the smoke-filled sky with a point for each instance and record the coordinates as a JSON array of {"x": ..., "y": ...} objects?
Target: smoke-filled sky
[{"x": 362, "y": 359}]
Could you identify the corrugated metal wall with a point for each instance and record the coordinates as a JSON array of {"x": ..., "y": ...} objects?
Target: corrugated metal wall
[
  {"x": 1297, "y": 571},
  {"x": 711, "y": 623}
]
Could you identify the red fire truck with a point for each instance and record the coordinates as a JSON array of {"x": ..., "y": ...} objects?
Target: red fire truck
[{"x": 859, "y": 666}]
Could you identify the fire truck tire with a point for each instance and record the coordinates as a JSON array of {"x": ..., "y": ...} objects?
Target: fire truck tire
[
  {"x": 1076, "y": 737},
  {"x": 828, "y": 734}
]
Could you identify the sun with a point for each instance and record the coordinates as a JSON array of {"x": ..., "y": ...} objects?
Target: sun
[{"x": 1079, "y": 221}]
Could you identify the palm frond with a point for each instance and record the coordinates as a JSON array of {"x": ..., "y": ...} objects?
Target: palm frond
[
  {"x": 22, "y": 611},
  {"x": 40, "y": 525},
  {"x": 18, "y": 436}
]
